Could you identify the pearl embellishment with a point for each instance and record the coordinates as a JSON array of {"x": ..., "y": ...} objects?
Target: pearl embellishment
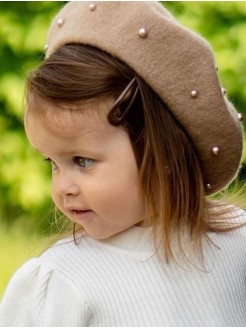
[
  {"x": 215, "y": 150},
  {"x": 92, "y": 7},
  {"x": 240, "y": 116},
  {"x": 194, "y": 93},
  {"x": 143, "y": 33},
  {"x": 224, "y": 92},
  {"x": 60, "y": 22}
]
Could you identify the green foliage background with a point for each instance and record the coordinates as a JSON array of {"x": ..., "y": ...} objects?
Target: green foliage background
[{"x": 24, "y": 178}]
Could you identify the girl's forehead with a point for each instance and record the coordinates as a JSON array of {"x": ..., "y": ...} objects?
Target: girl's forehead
[{"x": 70, "y": 119}]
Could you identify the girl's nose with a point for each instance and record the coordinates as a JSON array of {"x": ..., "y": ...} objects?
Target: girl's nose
[{"x": 65, "y": 185}]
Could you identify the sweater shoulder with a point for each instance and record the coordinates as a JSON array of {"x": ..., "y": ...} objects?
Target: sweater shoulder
[{"x": 37, "y": 293}]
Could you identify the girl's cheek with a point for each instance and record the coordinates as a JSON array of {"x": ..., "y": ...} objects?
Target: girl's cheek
[{"x": 55, "y": 196}]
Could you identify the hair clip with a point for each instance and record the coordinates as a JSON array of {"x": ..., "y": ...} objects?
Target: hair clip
[{"x": 116, "y": 116}]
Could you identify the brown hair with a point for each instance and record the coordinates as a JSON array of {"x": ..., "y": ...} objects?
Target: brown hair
[{"x": 169, "y": 169}]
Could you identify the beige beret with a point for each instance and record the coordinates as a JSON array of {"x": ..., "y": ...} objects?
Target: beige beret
[{"x": 177, "y": 64}]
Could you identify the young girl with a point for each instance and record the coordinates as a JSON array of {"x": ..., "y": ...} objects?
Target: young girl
[{"x": 128, "y": 109}]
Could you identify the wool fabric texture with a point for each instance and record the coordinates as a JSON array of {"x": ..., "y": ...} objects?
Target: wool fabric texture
[
  {"x": 177, "y": 64},
  {"x": 122, "y": 282}
]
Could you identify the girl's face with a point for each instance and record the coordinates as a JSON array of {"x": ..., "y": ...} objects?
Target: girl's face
[{"x": 95, "y": 180}]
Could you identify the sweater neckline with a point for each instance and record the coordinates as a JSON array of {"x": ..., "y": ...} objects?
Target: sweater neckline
[{"x": 135, "y": 242}]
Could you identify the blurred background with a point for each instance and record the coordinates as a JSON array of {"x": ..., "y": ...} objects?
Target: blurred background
[{"x": 26, "y": 210}]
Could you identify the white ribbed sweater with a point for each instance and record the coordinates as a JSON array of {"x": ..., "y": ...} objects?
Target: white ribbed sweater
[{"x": 121, "y": 283}]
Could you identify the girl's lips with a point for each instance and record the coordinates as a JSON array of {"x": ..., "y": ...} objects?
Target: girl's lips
[{"x": 81, "y": 215}]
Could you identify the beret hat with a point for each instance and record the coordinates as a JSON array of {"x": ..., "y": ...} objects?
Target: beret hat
[{"x": 176, "y": 63}]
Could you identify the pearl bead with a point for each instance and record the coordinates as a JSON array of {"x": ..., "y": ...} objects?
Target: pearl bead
[
  {"x": 46, "y": 47},
  {"x": 209, "y": 186},
  {"x": 143, "y": 33},
  {"x": 92, "y": 7},
  {"x": 60, "y": 22},
  {"x": 194, "y": 93},
  {"x": 240, "y": 116},
  {"x": 224, "y": 92},
  {"x": 215, "y": 150}
]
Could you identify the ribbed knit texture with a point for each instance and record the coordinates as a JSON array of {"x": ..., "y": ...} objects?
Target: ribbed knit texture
[{"x": 122, "y": 282}]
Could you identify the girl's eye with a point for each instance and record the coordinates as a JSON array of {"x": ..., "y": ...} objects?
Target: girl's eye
[
  {"x": 84, "y": 162},
  {"x": 53, "y": 164}
]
